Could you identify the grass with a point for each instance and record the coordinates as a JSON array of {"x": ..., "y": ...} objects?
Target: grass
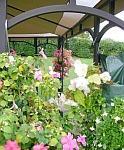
[{"x": 71, "y": 75}]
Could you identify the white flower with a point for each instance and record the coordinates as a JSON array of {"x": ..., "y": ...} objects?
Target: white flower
[
  {"x": 80, "y": 69},
  {"x": 112, "y": 104},
  {"x": 104, "y": 146},
  {"x": 95, "y": 142},
  {"x": 92, "y": 128},
  {"x": 70, "y": 103},
  {"x": 72, "y": 85},
  {"x": 117, "y": 119},
  {"x": 11, "y": 59},
  {"x": 122, "y": 130},
  {"x": 80, "y": 83},
  {"x": 95, "y": 78},
  {"x": 97, "y": 121},
  {"x": 105, "y": 77},
  {"x": 104, "y": 114},
  {"x": 62, "y": 102},
  {"x": 99, "y": 145}
]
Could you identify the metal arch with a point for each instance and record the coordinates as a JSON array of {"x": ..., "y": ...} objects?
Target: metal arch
[
  {"x": 90, "y": 32},
  {"x": 83, "y": 30},
  {"x": 46, "y": 44},
  {"x": 24, "y": 42},
  {"x": 65, "y": 8},
  {"x": 101, "y": 33}
]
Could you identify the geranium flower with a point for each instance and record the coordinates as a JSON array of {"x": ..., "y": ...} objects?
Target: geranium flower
[
  {"x": 40, "y": 147},
  {"x": 38, "y": 75},
  {"x": 11, "y": 145},
  {"x": 69, "y": 143},
  {"x": 53, "y": 73},
  {"x": 105, "y": 77},
  {"x": 82, "y": 139},
  {"x": 58, "y": 53}
]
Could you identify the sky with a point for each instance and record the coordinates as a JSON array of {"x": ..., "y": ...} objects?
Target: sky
[{"x": 114, "y": 33}]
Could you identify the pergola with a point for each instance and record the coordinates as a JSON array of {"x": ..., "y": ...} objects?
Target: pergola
[{"x": 60, "y": 19}]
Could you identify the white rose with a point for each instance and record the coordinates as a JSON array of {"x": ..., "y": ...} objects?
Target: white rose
[{"x": 105, "y": 77}]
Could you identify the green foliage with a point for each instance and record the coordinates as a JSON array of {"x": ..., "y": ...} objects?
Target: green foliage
[
  {"x": 110, "y": 47},
  {"x": 81, "y": 47},
  {"x": 26, "y": 47},
  {"x": 110, "y": 132},
  {"x": 23, "y": 103}
]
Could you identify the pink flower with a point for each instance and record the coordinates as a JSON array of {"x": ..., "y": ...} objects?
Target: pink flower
[
  {"x": 40, "y": 147},
  {"x": 82, "y": 139},
  {"x": 56, "y": 75},
  {"x": 38, "y": 75},
  {"x": 69, "y": 143},
  {"x": 58, "y": 53},
  {"x": 12, "y": 145}
]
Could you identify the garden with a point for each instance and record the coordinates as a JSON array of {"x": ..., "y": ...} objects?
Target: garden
[{"x": 36, "y": 115}]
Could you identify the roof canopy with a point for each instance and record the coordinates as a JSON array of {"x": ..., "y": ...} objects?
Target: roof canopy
[{"x": 59, "y": 23}]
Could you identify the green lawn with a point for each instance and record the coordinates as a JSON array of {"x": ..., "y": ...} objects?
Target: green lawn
[{"x": 48, "y": 62}]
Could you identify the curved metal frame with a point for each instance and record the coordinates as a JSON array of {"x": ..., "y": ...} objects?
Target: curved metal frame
[
  {"x": 24, "y": 42},
  {"x": 65, "y": 8},
  {"x": 46, "y": 44},
  {"x": 90, "y": 31},
  {"x": 102, "y": 32}
]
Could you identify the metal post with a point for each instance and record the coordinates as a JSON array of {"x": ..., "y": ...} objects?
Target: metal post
[
  {"x": 59, "y": 42},
  {"x": 96, "y": 43},
  {"x": 61, "y": 46},
  {"x": 62, "y": 74},
  {"x": 73, "y": 2},
  {"x": 66, "y": 43},
  {"x": 112, "y": 7},
  {"x": 35, "y": 44},
  {"x": 3, "y": 38}
]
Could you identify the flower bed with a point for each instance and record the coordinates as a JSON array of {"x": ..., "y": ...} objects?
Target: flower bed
[{"x": 33, "y": 115}]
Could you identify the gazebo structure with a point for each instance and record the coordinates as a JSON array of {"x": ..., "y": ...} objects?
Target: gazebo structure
[{"x": 63, "y": 18}]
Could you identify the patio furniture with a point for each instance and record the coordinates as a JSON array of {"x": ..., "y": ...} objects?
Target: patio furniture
[{"x": 115, "y": 66}]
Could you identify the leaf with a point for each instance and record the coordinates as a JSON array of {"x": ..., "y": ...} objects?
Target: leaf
[
  {"x": 53, "y": 142},
  {"x": 3, "y": 103},
  {"x": 1, "y": 147},
  {"x": 6, "y": 83},
  {"x": 21, "y": 69},
  {"x": 7, "y": 129},
  {"x": 79, "y": 97}
]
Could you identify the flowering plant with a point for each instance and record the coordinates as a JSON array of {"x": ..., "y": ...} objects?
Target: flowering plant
[
  {"x": 66, "y": 61},
  {"x": 84, "y": 85},
  {"x": 24, "y": 91}
]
